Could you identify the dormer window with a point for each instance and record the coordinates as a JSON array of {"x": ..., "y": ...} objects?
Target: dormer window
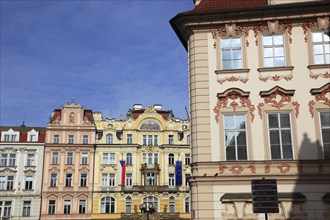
[
  {"x": 33, "y": 136},
  {"x": 10, "y": 136}
]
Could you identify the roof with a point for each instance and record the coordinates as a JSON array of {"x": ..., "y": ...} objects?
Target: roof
[
  {"x": 23, "y": 132},
  {"x": 216, "y": 5},
  {"x": 207, "y": 11}
]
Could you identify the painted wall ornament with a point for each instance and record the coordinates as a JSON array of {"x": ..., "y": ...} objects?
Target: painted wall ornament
[{"x": 229, "y": 30}]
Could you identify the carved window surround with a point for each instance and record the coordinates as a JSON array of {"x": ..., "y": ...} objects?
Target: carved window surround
[
  {"x": 275, "y": 73},
  {"x": 317, "y": 71},
  {"x": 230, "y": 29},
  {"x": 322, "y": 99},
  {"x": 321, "y": 23},
  {"x": 277, "y": 98},
  {"x": 233, "y": 75},
  {"x": 233, "y": 98}
]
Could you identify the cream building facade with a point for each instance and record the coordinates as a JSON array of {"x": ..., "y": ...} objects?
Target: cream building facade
[
  {"x": 259, "y": 94},
  {"x": 149, "y": 142},
  {"x": 21, "y": 159},
  {"x": 68, "y": 164}
]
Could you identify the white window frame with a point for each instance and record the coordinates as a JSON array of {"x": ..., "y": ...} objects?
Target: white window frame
[
  {"x": 69, "y": 158},
  {"x": 171, "y": 179},
  {"x": 55, "y": 157},
  {"x": 30, "y": 160},
  {"x": 67, "y": 207},
  {"x": 51, "y": 207},
  {"x": 325, "y": 146},
  {"x": 53, "y": 180},
  {"x": 129, "y": 179},
  {"x": 26, "y": 208},
  {"x": 85, "y": 139},
  {"x": 231, "y": 49},
  {"x": 324, "y": 44},
  {"x": 28, "y": 184},
  {"x": 84, "y": 158},
  {"x": 274, "y": 46},
  {"x": 129, "y": 139}
]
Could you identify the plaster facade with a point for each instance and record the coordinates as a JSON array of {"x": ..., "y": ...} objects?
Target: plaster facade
[
  {"x": 68, "y": 164},
  {"x": 225, "y": 89},
  {"x": 21, "y": 159}
]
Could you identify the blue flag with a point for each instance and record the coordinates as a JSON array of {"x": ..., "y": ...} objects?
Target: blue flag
[{"x": 178, "y": 173}]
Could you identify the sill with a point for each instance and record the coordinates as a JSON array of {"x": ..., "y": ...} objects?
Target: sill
[
  {"x": 316, "y": 71},
  {"x": 275, "y": 73},
  {"x": 33, "y": 167},
  {"x": 27, "y": 190},
  {"x": 232, "y": 75}
]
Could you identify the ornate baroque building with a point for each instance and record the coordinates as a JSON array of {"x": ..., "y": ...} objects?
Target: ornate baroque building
[
  {"x": 68, "y": 164},
  {"x": 21, "y": 150},
  {"x": 143, "y": 159},
  {"x": 259, "y": 91}
]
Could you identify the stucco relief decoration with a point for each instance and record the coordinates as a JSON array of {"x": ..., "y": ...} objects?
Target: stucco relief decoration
[
  {"x": 233, "y": 79},
  {"x": 276, "y": 77},
  {"x": 321, "y": 23},
  {"x": 238, "y": 99},
  {"x": 299, "y": 168},
  {"x": 236, "y": 169},
  {"x": 278, "y": 98},
  {"x": 322, "y": 96},
  {"x": 252, "y": 168},
  {"x": 267, "y": 168},
  {"x": 56, "y": 121},
  {"x": 230, "y": 29},
  {"x": 272, "y": 27},
  {"x": 222, "y": 168},
  {"x": 284, "y": 167}
]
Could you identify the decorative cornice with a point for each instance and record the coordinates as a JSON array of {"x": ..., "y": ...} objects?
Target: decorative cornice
[{"x": 233, "y": 94}]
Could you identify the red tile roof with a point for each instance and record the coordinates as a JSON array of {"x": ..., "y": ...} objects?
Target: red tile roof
[{"x": 220, "y": 5}]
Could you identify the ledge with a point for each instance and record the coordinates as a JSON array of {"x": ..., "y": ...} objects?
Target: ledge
[{"x": 232, "y": 75}]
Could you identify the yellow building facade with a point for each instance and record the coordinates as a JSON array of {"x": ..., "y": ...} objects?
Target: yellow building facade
[{"x": 143, "y": 159}]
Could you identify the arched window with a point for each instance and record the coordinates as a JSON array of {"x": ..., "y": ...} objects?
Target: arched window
[
  {"x": 107, "y": 205},
  {"x": 129, "y": 159},
  {"x": 187, "y": 205},
  {"x": 151, "y": 200},
  {"x": 109, "y": 139},
  {"x": 172, "y": 204},
  {"x": 128, "y": 204},
  {"x": 171, "y": 159}
]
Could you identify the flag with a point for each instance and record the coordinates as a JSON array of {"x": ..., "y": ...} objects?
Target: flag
[
  {"x": 121, "y": 173},
  {"x": 178, "y": 173}
]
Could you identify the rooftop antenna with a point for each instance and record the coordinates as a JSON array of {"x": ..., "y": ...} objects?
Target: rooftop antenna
[{"x": 187, "y": 112}]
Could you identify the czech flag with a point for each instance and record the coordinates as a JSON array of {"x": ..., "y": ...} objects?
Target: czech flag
[{"x": 121, "y": 173}]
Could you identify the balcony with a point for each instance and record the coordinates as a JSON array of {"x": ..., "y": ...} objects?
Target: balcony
[
  {"x": 142, "y": 189},
  {"x": 146, "y": 166}
]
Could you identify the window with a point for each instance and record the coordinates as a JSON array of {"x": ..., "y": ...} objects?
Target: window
[
  {"x": 129, "y": 139},
  {"x": 105, "y": 158},
  {"x": 109, "y": 139},
  {"x": 6, "y": 208},
  {"x": 6, "y": 182},
  {"x": 156, "y": 140},
  {"x": 188, "y": 139},
  {"x": 10, "y": 182},
  {"x": 55, "y": 158},
  {"x": 70, "y": 138},
  {"x": 112, "y": 179},
  {"x": 107, "y": 205},
  {"x": 32, "y": 138},
  {"x": 82, "y": 206},
  {"x": 51, "y": 207},
  {"x": 150, "y": 156},
  {"x": 186, "y": 177},
  {"x": 273, "y": 51},
  {"x": 56, "y": 139},
  {"x": 231, "y": 53},
  {"x": 129, "y": 179},
  {"x": 280, "y": 136},
  {"x": 321, "y": 47},
  {"x": 28, "y": 182},
  {"x": 12, "y": 160},
  {"x": 325, "y": 131},
  {"x": 84, "y": 158},
  {"x": 128, "y": 204},
  {"x": 151, "y": 179},
  {"x": 30, "y": 161},
  {"x": 144, "y": 158},
  {"x": 8, "y": 160},
  {"x": 150, "y": 140},
  {"x": 104, "y": 179},
  {"x": 67, "y": 206},
  {"x": 112, "y": 158},
  {"x": 13, "y": 137},
  {"x": 171, "y": 139},
  {"x": 129, "y": 159},
  {"x": 83, "y": 179},
  {"x": 171, "y": 159},
  {"x": 172, "y": 204},
  {"x": 151, "y": 200},
  {"x": 187, "y": 159},
  {"x": 69, "y": 158},
  {"x": 144, "y": 139},
  {"x": 53, "y": 180},
  {"x": 235, "y": 137},
  {"x": 26, "y": 208},
  {"x": 155, "y": 158},
  {"x": 68, "y": 179},
  {"x": 85, "y": 139},
  {"x": 6, "y": 137},
  {"x": 171, "y": 179},
  {"x": 187, "y": 205}
]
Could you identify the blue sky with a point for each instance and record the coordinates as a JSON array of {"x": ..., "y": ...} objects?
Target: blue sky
[{"x": 106, "y": 54}]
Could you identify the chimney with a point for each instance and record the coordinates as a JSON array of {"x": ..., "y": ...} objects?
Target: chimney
[{"x": 137, "y": 106}]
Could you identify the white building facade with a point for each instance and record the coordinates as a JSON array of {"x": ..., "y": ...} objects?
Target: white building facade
[
  {"x": 260, "y": 105},
  {"x": 21, "y": 159}
]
